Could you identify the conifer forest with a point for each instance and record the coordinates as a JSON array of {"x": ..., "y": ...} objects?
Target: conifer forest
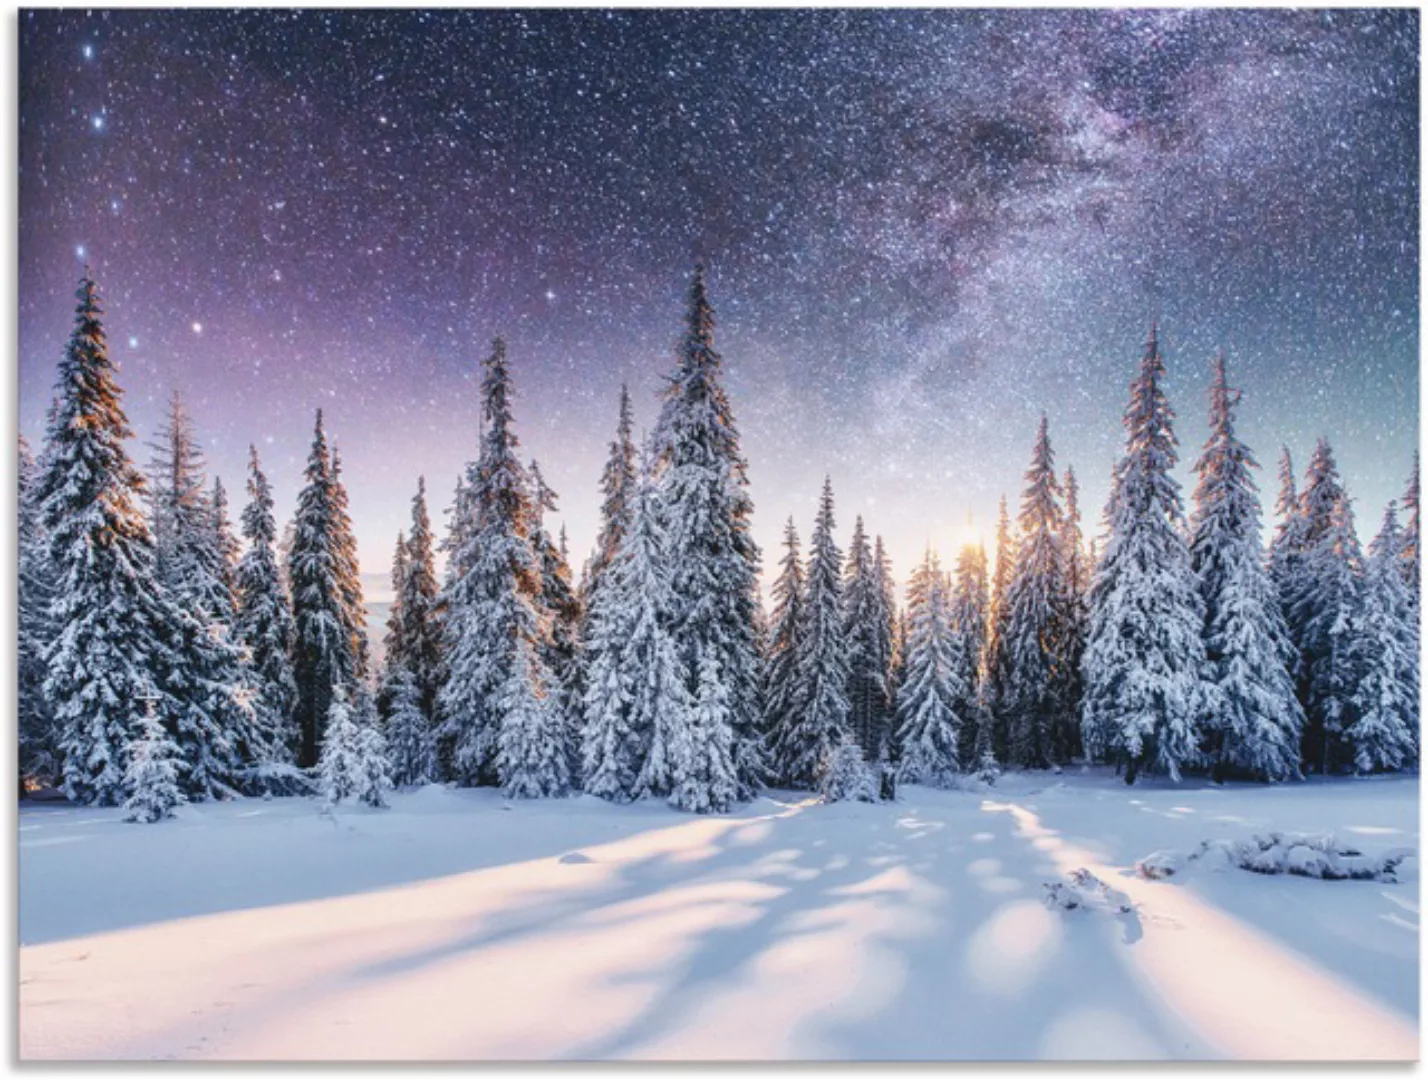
[{"x": 938, "y": 625}]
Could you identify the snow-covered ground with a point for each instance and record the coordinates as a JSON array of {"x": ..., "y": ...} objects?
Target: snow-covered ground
[{"x": 456, "y": 925}]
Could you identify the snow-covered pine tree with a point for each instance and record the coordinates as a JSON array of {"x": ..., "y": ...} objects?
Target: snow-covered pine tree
[
  {"x": 1411, "y": 557},
  {"x": 38, "y": 740},
  {"x": 1286, "y": 548},
  {"x": 185, "y": 542},
  {"x": 1033, "y": 699},
  {"x": 374, "y": 776},
  {"x": 461, "y": 519},
  {"x": 1077, "y": 574},
  {"x": 636, "y": 702},
  {"x": 340, "y": 771},
  {"x": 264, "y": 622},
  {"x": 781, "y": 659},
  {"x": 224, "y": 542},
  {"x": 1252, "y": 719},
  {"x": 820, "y": 705},
  {"x": 216, "y": 725},
  {"x": 1145, "y": 656},
  {"x": 344, "y": 544},
  {"x": 996, "y": 661},
  {"x": 1385, "y": 704},
  {"x": 494, "y": 614},
  {"x": 887, "y": 595},
  {"x": 532, "y": 759},
  {"x": 706, "y": 509},
  {"x": 151, "y": 777},
  {"x": 928, "y": 727},
  {"x": 112, "y": 629},
  {"x": 867, "y": 632},
  {"x": 560, "y": 604},
  {"x": 969, "y": 633},
  {"x": 394, "y": 650},
  {"x": 393, "y": 639},
  {"x": 617, "y": 485},
  {"x": 324, "y": 652},
  {"x": 1325, "y": 601},
  {"x": 422, "y": 638},
  {"x": 411, "y": 748},
  {"x": 847, "y": 776},
  {"x": 701, "y": 753}
]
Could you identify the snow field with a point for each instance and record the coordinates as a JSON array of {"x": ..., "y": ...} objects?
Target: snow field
[{"x": 458, "y": 926}]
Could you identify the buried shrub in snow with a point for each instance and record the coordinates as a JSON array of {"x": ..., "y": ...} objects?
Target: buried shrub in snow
[
  {"x": 1083, "y": 889},
  {"x": 1302, "y": 854}
]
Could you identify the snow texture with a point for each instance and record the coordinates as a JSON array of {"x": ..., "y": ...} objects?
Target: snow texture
[{"x": 458, "y": 925}]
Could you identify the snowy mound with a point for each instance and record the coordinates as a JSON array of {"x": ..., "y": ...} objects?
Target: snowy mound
[
  {"x": 1302, "y": 854},
  {"x": 433, "y": 797},
  {"x": 1084, "y": 890}
]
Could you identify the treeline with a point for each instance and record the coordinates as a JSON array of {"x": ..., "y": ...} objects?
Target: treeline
[{"x": 160, "y": 660}]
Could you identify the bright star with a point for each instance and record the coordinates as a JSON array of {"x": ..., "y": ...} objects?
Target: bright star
[
  {"x": 550, "y": 294},
  {"x": 133, "y": 342},
  {"x": 97, "y": 123},
  {"x": 79, "y": 251},
  {"x": 198, "y": 328},
  {"x": 88, "y": 52}
]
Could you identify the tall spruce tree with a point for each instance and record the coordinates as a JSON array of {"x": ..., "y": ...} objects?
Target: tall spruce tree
[
  {"x": 617, "y": 486},
  {"x": 969, "y": 632},
  {"x": 781, "y": 660},
  {"x": 928, "y": 727},
  {"x": 996, "y": 663},
  {"x": 1034, "y": 698},
  {"x": 1286, "y": 548},
  {"x": 190, "y": 558},
  {"x": 344, "y": 544},
  {"x": 224, "y": 542},
  {"x": 1383, "y": 734},
  {"x": 702, "y": 751},
  {"x": 887, "y": 596},
  {"x": 1253, "y": 719},
  {"x": 38, "y": 746},
  {"x": 394, "y": 641},
  {"x": 1324, "y": 609},
  {"x": 1077, "y": 574},
  {"x": 411, "y": 747},
  {"x": 394, "y": 662},
  {"x": 867, "y": 632},
  {"x": 532, "y": 759},
  {"x": 706, "y": 509},
  {"x": 113, "y": 631},
  {"x": 636, "y": 701},
  {"x": 1411, "y": 542},
  {"x": 560, "y": 604},
  {"x": 422, "y": 639},
  {"x": 264, "y": 622},
  {"x": 325, "y": 651},
  {"x": 820, "y": 696},
  {"x": 495, "y": 620},
  {"x": 1145, "y": 656},
  {"x": 219, "y": 733}
]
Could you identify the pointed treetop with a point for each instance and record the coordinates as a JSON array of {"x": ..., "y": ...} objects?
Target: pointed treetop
[
  {"x": 701, "y": 313},
  {"x": 627, "y": 414}
]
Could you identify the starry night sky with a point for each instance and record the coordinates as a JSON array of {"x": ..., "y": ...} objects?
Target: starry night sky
[{"x": 922, "y": 229}]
